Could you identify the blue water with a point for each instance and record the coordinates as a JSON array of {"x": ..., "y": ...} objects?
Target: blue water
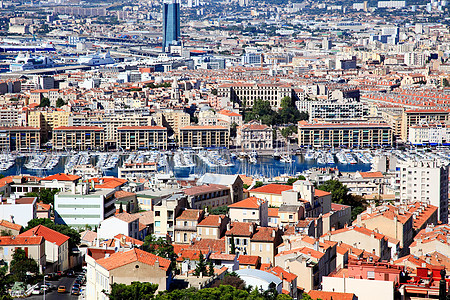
[{"x": 266, "y": 166}]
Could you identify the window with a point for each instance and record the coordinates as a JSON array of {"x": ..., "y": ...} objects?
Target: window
[
  {"x": 157, "y": 213},
  {"x": 157, "y": 223}
]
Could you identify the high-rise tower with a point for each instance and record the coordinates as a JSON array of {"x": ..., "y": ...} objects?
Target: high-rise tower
[{"x": 171, "y": 23}]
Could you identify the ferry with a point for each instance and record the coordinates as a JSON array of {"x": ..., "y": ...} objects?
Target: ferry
[
  {"x": 25, "y": 62},
  {"x": 96, "y": 59}
]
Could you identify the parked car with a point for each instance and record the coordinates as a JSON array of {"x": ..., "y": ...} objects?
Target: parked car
[
  {"x": 36, "y": 291},
  {"x": 70, "y": 273},
  {"x": 61, "y": 289},
  {"x": 75, "y": 291}
]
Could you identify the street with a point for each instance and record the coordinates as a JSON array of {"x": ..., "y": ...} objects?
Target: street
[{"x": 54, "y": 295}]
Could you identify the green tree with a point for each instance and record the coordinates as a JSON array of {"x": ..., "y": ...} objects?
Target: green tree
[
  {"x": 231, "y": 279},
  {"x": 21, "y": 264},
  {"x": 47, "y": 196},
  {"x": 5, "y": 232},
  {"x": 258, "y": 184},
  {"x": 60, "y": 102},
  {"x": 135, "y": 291},
  {"x": 232, "y": 245},
  {"x": 291, "y": 181},
  {"x": 200, "y": 269},
  {"x": 220, "y": 210},
  {"x": 339, "y": 192},
  {"x": 161, "y": 247},
  {"x": 45, "y": 102},
  {"x": 210, "y": 268},
  {"x": 445, "y": 82},
  {"x": 233, "y": 130}
]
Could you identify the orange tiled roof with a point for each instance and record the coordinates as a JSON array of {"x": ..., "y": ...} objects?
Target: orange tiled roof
[
  {"x": 272, "y": 189},
  {"x": 47, "y": 233},
  {"x": 330, "y": 295},
  {"x": 212, "y": 220},
  {"x": 190, "y": 214},
  {"x": 273, "y": 212},
  {"x": 10, "y": 225},
  {"x": 120, "y": 259},
  {"x": 62, "y": 177},
  {"x": 249, "y": 260},
  {"x": 20, "y": 240},
  {"x": 249, "y": 203},
  {"x": 241, "y": 229}
]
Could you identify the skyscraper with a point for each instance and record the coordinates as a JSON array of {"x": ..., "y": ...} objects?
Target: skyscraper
[{"x": 171, "y": 23}]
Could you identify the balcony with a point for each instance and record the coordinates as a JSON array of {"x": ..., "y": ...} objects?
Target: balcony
[{"x": 185, "y": 228}]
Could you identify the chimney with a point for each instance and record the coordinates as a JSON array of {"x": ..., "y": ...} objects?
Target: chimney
[
  {"x": 157, "y": 263},
  {"x": 273, "y": 233},
  {"x": 251, "y": 228},
  {"x": 316, "y": 246}
]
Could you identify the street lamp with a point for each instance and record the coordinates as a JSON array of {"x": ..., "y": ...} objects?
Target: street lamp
[{"x": 45, "y": 287}]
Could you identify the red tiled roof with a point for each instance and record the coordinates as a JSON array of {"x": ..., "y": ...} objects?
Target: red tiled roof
[
  {"x": 330, "y": 295},
  {"x": 62, "y": 177},
  {"x": 10, "y": 225},
  {"x": 120, "y": 259},
  {"x": 206, "y": 188},
  {"x": 222, "y": 256},
  {"x": 320, "y": 193},
  {"x": 47, "y": 233},
  {"x": 241, "y": 229},
  {"x": 212, "y": 220},
  {"x": 21, "y": 240},
  {"x": 141, "y": 128},
  {"x": 371, "y": 174},
  {"x": 282, "y": 274},
  {"x": 190, "y": 214},
  {"x": 128, "y": 239},
  {"x": 273, "y": 212},
  {"x": 88, "y": 128},
  {"x": 197, "y": 127},
  {"x": 123, "y": 194},
  {"x": 249, "y": 203},
  {"x": 252, "y": 260},
  {"x": 272, "y": 189},
  {"x": 264, "y": 234}
]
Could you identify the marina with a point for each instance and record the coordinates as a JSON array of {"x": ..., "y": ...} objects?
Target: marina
[{"x": 186, "y": 163}]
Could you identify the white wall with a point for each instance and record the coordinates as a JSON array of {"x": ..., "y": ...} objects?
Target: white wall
[
  {"x": 111, "y": 227},
  {"x": 22, "y": 213},
  {"x": 362, "y": 288}
]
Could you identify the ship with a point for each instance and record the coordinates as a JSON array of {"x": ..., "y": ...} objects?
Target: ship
[
  {"x": 96, "y": 59},
  {"x": 31, "y": 47},
  {"x": 24, "y": 62}
]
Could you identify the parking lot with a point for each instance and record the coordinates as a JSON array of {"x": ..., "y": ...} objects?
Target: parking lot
[{"x": 54, "y": 295}]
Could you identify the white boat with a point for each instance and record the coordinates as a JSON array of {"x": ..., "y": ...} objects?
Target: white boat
[
  {"x": 341, "y": 158},
  {"x": 309, "y": 155},
  {"x": 330, "y": 158},
  {"x": 25, "y": 62},
  {"x": 96, "y": 59},
  {"x": 350, "y": 158}
]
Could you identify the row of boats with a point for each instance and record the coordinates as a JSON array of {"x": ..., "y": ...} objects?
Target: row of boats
[
  {"x": 42, "y": 162},
  {"x": 183, "y": 159},
  {"x": 7, "y": 160},
  {"x": 107, "y": 161},
  {"x": 343, "y": 157},
  {"x": 214, "y": 159},
  {"x": 82, "y": 158}
]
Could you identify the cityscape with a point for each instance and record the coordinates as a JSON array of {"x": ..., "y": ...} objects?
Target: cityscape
[{"x": 242, "y": 149}]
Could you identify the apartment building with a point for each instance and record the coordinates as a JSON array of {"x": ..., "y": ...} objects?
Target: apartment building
[
  {"x": 20, "y": 138},
  {"x": 248, "y": 93},
  {"x": 429, "y": 134},
  {"x": 241, "y": 233},
  {"x": 208, "y": 195},
  {"x": 34, "y": 247},
  {"x": 79, "y": 138},
  {"x": 362, "y": 238},
  {"x": 85, "y": 206},
  {"x": 186, "y": 225},
  {"x": 255, "y": 136},
  {"x": 212, "y": 227},
  {"x": 122, "y": 223},
  {"x": 47, "y": 120},
  {"x": 166, "y": 211},
  {"x": 264, "y": 243},
  {"x": 173, "y": 120},
  {"x": 389, "y": 220},
  {"x": 111, "y": 122},
  {"x": 346, "y": 109},
  {"x": 124, "y": 268},
  {"x": 142, "y": 137},
  {"x": 432, "y": 238},
  {"x": 11, "y": 117},
  {"x": 425, "y": 181},
  {"x": 305, "y": 262},
  {"x": 415, "y": 117},
  {"x": 344, "y": 134},
  {"x": 230, "y": 116},
  {"x": 56, "y": 246},
  {"x": 204, "y": 136},
  {"x": 250, "y": 210}
]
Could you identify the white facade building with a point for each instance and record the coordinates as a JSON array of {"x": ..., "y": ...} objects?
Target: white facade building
[
  {"x": 333, "y": 109},
  {"x": 84, "y": 206},
  {"x": 18, "y": 211},
  {"x": 123, "y": 223},
  {"x": 426, "y": 181},
  {"x": 429, "y": 134}
]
